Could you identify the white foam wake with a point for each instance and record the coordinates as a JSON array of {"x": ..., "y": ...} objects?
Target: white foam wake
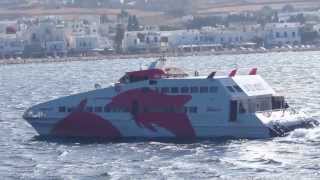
[{"x": 305, "y": 135}]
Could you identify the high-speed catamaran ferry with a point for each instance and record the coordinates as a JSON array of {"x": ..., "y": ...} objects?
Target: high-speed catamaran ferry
[{"x": 166, "y": 102}]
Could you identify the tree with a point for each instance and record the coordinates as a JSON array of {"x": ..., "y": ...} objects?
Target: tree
[
  {"x": 120, "y": 30},
  {"x": 275, "y": 17},
  {"x": 199, "y": 22},
  {"x": 104, "y": 19},
  {"x": 266, "y": 15},
  {"x": 266, "y": 10},
  {"x": 288, "y": 8},
  {"x": 297, "y": 18},
  {"x": 133, "y": 23}
]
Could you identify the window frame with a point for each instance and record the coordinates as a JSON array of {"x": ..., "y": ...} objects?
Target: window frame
[
  {"x": 194, "y": 89},
  {"x": 89, "y": 109},
  {"x": 230, "y": 89},
  {"x": 213, "y": 89},
  {"x": 167, "y": 89},
  {"x": 98, "y": 109},
  {"x": 204, "y": 89},
  {"x": 62, "y": 109},
  {"x": 174, "y": 90},
  {"x": 185, "y": 89}
]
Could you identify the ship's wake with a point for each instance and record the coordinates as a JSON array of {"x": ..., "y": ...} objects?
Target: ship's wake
[{"x": 306, "y": 135}]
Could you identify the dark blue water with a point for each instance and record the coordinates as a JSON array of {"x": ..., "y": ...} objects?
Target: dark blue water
[{"x": 22, "y": 155}]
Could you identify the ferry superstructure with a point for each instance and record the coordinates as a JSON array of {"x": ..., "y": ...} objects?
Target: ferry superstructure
[{"x": 166, "y": 102}]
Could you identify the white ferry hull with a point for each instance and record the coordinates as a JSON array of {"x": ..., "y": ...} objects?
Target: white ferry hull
[
  {"x": 167, "y": 103},
  {"x": 123, "y": 129}
]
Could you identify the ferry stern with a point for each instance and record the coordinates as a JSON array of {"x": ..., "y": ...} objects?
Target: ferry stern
[{"x": 283, "y": 121}]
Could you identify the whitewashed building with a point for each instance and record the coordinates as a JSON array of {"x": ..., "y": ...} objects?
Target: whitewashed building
[
  {"x": 83, "y": 43},
  {"x": 141, "y": 41},
  {"x": 82, "y": 36},
  {"x": 212, "y": 37},
  {"x": 183, "y": 37},
  {"x": 47, "y": 36},
  {"x": 279, "y": 34},
  {"x": 11, "y": 45},
  {"x": 229, "y": 37}
]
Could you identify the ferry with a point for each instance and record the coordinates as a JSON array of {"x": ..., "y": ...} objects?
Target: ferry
[{"x": 166, "y": 102}]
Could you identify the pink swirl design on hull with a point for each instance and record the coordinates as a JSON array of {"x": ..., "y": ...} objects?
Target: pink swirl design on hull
[{"x": 85, "y": 124}]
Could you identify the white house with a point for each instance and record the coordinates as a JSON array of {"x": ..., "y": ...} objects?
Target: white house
[
  {"x": 279, "y": 34},
  {"x": 11, "y": 45},
  {"x": 139, "y": 41},
  {"x": 212, "y": 37},
  {"x": 83, "y": 36},
  {"x": 183, "y": 37},
  {"x": 229, "y": 36},
  {"x": 48, "y": 36},
  {"x": 83, "y": 43}
]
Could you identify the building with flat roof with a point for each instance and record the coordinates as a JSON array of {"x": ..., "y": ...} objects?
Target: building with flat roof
[{"x": 279, "y": 34}]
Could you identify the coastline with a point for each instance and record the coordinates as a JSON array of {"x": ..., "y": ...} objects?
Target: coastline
[{"x": 145, "y": 55}]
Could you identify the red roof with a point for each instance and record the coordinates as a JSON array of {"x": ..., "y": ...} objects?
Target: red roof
[
  {"x": 150, "y": 73},
  {"x": 11, "y": 30}
]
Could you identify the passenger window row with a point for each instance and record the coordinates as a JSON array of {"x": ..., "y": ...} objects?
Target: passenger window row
[
  {"x": 184, "y": 90},
  {"x": 100, "y": 109}
]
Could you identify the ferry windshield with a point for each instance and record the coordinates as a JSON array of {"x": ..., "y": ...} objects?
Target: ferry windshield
[{"x": 262, "y": 104}]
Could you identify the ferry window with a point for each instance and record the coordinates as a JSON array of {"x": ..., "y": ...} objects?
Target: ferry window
[
  {"x": 204, "y": 89},
  {"x": 152, "y": 82},
  {"x": 89, "y": 109},
  {"x": 231, "y": 89},
  {"x": 238, "y": 88},
  {"x": 193, "y": 109},
  {"x": 213, "y": 89},
  {"x": 70, "y": 109},
  {"x": 194, "y": 89},
  {"x": 174, "y": 90},
  {"x": 165, "y": 90},
  {"x": 106, "y": 109},
  {"x": 241, "y": 108},
  {"x": 184, "y": 89},
  {"x": 98, "y": 109},
  {"x": 120, "y": 109},
  {"x": 115, "y": 109},
  {"x": 62, "y": 109},
  {"x": 145, "y": 89}
]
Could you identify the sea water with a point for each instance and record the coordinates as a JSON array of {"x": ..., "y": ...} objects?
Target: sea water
[{"x": 23, "y": 155}]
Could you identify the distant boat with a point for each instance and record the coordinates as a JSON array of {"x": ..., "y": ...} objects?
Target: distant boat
[{"x": 166, "y": 102}]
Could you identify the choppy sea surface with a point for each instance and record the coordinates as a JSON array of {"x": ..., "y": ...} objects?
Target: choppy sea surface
[{"x": 24, "y": 156}]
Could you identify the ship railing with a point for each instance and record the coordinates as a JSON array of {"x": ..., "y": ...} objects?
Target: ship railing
[{"x": 268, "y": 113}]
